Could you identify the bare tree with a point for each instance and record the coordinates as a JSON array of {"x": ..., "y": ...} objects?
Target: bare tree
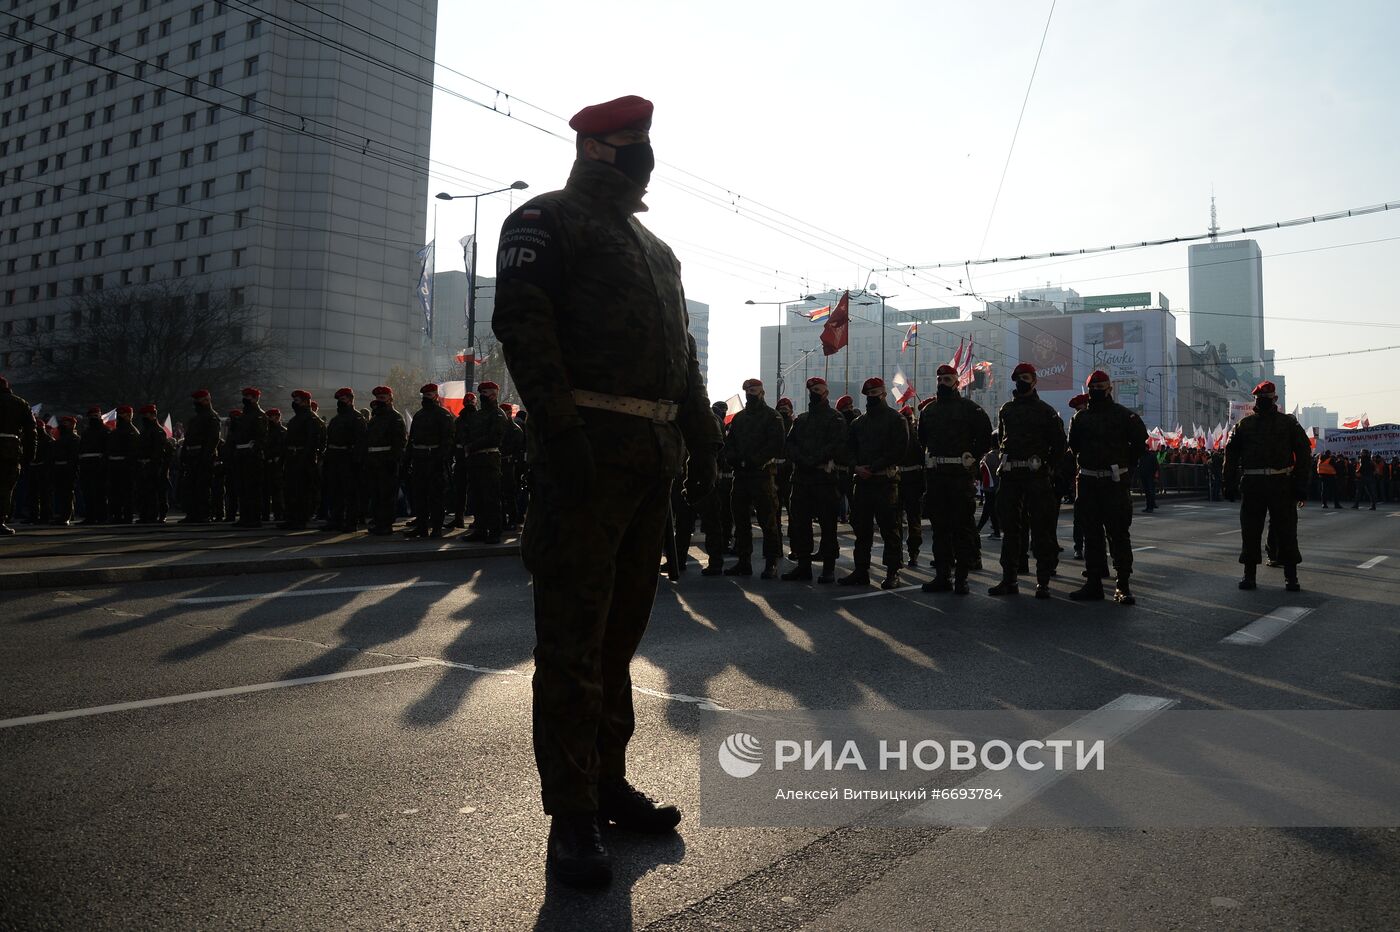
[{"x": 149, "y": 343}]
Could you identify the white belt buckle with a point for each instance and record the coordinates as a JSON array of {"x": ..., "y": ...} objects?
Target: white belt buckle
[
  {"x": 968, "y": 460},
  {"x": 1114, "y": 469},
  {"x": 1034, "y": 464}
]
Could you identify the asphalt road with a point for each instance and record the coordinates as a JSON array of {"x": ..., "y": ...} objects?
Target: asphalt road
[{"x": 396, "y": 788}]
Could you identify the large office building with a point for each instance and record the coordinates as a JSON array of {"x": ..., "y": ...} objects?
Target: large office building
[
  {"x": 700, "y": 329},
  {"x": 1227, "y": 303},
  {"x": 259, "y": 156}
]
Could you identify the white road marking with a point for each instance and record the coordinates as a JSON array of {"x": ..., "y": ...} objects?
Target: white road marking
[
  {"x": 1019, "y": 786},
  {"x": 293, "y": 593},
  {"x": 1371, "y": 562},
  {"x": 1223, "y": 533},
  {"x": 871, "y": 595},
  {"x": 208, "y": 694},
  {"x": 1265, "y": 629},
  {"x": 1140, "y": 549}
]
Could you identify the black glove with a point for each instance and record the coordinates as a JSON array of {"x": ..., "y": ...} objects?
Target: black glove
[
  {"x": 701, "y": 474},
  {"x": 570, "y": 463}
]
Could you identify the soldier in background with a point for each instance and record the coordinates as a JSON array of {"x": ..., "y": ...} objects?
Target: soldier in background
[
  {"x": 303, "y": 455},
  {"x": 122, "y": 449},
  {"x": 198, "y": 454},
  {"x": 716, "y": 517},
  {"x": 954, "y": 434},
  {"x": 274, "y": 505},
  {"x": 228, "y": 457},
  {"x": 1268, "y": 460},
  {"x": 65, "y": 469},
  {"x": 724, "y": 487},
  {"x": 430, "y": 446},
  {"x": 461, "y": 429},
  {"x": 345, "y": 441},
  {"x": 512, "y": 460},
  {"x": 783, "y": 479},
  {"x": 249, "y": 436},
  {"x": 752, "y": 447},
  {"x": 1032, "y": 443},
  {"x": 1107, "y": 440},
  {"x": 39, "y": 476},
  {"x": 877, "y": 441},
  {"x": 386, "y": 436},
  {"x": 152, "y": 457},
  {"x": 1077, "y": 404},
  {"x": 17, "y": 442},
  {"x": 485, "y": 435},
  {"x": 846, "y": 407},
  {"x": 316, "y": 489},
  {"x": 815, "y": 446},
  {"x": 92, "y": 467},
  {"x": 911, "y": 488}
]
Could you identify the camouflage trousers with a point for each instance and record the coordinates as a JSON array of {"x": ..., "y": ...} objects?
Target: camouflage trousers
[
  {"x": 1271, "y": 497},
  {"x": 755, "y": 493},
  {"x": 875, "y": 501},
  {"x": 594, "y": 566},
  {"x": 952, "y": 508},
  {"x": 1027, "y": 502},
  {"x": 1105, "y": 507}
]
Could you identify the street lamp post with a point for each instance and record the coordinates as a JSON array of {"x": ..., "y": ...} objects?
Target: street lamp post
[
  {"x": 778, "y": 361},
  {"x": 469, "y": 364}
]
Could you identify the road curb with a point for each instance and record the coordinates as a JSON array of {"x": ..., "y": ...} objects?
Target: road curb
[{"x": 109, "y": 575}]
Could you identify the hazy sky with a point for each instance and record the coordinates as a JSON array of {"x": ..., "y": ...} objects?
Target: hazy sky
[{"x": 803, "y": 145}]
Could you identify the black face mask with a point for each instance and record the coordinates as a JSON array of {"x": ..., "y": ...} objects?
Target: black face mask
[
  {"x": 946, "y": 392},
  {"x": 751, "y": 400},
  {"x": 1264, "y": 404},
  {"x": 873, "y": 402},
  {"x": 813, "y": 399},
  {"x": 1024, "y": 388},
  {"x": 635, "y": 160},
  {"x": 1098, "y": 394}
]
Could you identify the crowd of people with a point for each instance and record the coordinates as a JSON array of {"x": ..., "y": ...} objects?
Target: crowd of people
[{"x": 358, "y": 469}]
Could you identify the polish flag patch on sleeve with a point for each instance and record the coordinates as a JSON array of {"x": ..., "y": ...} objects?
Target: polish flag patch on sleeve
[{"x": 530, "y": 213}]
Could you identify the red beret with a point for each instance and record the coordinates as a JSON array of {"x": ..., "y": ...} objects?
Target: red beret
[
  {"x": 1024, "y": 368},
  {"x": 748, "y": 382},
  {"x": 68, "y": 419},
  {"x": 946, "y": 369},
  {"x": 871, "y": 384},
  {"x": 785, "y": 402},
  {"x": 255, "y": 392},
  {"x": 94, "y": 411},
  {"x": 815, "y": 380},
  {"x": 845, "y": 401},
  {"x": 629, "y": 112},
  {"x": 469, "y": 398},
  {"x": 347, "y": 392},
  {"x": 907, "y": 411},
  {"x": 200, "y": 394},
  {"x": 509, "y": 409},
  {"x": 315, "y": 406},
  {"x": 383, "y": 390},
  {"x": 488, "y": 387},
  {"x": 301, "y": 393},
  {"x": 1098, "y": 375},
  {"x": 124, "y": 409},
  {"x": 926, "y": 402},
  {"x": 235, "y": 412},
  {"x": 1265, "y": 388},
  {"x": 1078, "y": 401},
  {"x": 429, "y": 389},
  {"x": 148, "y": 409},
  {"x": 274, "y": 413}
]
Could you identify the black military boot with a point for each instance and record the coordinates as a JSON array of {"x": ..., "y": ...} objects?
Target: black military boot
[
  {"x": 742, "y": 568},
  {"x": 576, "y": 854},
  {"x": 800, "y": 573},
  {"x": 1091, "y": 591},
  {"x": 1121, "y": 593},
  {"x": 629, "y": 808},
  {"x": 770, "y": 570},
  {"x": 913, "y": 558},
  {"x": 415, "y": 530},
  {"x": 856, "y": 578},
  {"x": 828, "y": 572},
  {"x": 715, "y": 568},
  {"x": 1042, "y": 584},
  {"x": 1290, "y": 577},
  {"x": 6, "y": 530},
  {"x": 891, "y": 580},
  {"x": 939, "y": 582},
  {"x": 960, "y": 583},
  {"x": 1007, "y": 586},
  {"x": 1249, "y": 577}
]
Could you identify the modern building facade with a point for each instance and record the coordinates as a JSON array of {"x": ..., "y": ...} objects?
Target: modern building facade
[
  {"x": 700, "y": 329},
  {"x": 260, "y": 155},
  {"x": 1227, "y": 302},
  {"x": 1317, "y": 416}
]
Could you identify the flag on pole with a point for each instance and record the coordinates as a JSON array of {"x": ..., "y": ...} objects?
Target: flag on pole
[
  {"x": 903, "y": 391},
  {"x": 820, "y": 314},
  {"x": 732, "y": 406},
  {"x": 165, "y": 426},
  {"x": 910, "y": 336},
  {"x": 837, "y": 330},
  {"x": 956, "y": 361},
  {"x": 1356, "y": 422},
  {"x": 452, "y": 394},
  {"x": 461, "y": 358},
  {"x": 469, "y": 255},
  {"x": 425, "y": 286},
  {"x": 965, "y": 371}
]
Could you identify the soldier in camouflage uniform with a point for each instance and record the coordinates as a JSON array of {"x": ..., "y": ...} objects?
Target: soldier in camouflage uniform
[
  {"x": 954, "y": 434},
  {"x": 752, "y": 448},
  {"x": 877, "y": 441},
  {"x": 1268, "y": 462},
  {"x": 783, "y": 479},
  {"x": 461, "y": 430},
  {"x": 65, "y": 469},
  {"x": 152, "y": 455},
  {"x": 1032, "y": 443},
  {"x": 197, "y": 455},
  {"x": 274, "y": 505},
  {"x": 512, "y": 467},
  {"x": 591, "y": 315},
  {"x": 1107, "y": 440},
  {"x": 846, "y": 407},
  {"x": 485, "y": 436},
  {"x": 122, "y": 448},
  {"x": 17, "y": 441},
  {"x": 815, "y": 446},
  {"x": 92, "y": 467},
  {"x": 716, "y": 517},
  {"x": 429, "y": 450},
  {"x": 39, "y": 478},
  {"x": 303, "y": 457},
  {"x": 229, "y": 461},
  {"x": 911, "y": 488},
  {"x": 386, "y": 436},
  {"x": 248, "y": 437},
  {"x": 345, "y": 436}
]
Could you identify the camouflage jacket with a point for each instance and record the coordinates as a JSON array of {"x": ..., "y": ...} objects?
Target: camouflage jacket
[
  {"x": 385, "y": 429},
  {"x": 64, "y": 451},
  {"x": 1268, "y": 440},
  {"x": 879, "y": 438},
  {"x": 202, "y": 435},
  {"x": 1106, "y": 434},
  {"x": 818, "y": 438},
  {"x": 431, "y": 427},
  {"x": 462, "y": 428},
  {"x": 755, "y": 436},
  {"x": 154, "y": 445},
  {"x": 1030, "y": 427},
  {"x": 17, "y": 422},
  {"x": 488, "y": 428},
  {"x": 250, "y": 428},
  {"x": 94, "y": 440},
  {"x": 305, "y": 433},
  {"x": 954, "y": 427},
  {"x": 346, "y": 430},
  {"x": 589, "y": 299},
  {"x": 123, "y": 442},
  {"x": 276, "y": 447}
]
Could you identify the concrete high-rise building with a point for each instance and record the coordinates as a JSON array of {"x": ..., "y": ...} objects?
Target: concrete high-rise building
[
  {"x": 700, "y": 330},
  {"x": 1311, "y": 416},
  {"x": 1227, "y": 302},
  {"x": 261, "y": 157}
]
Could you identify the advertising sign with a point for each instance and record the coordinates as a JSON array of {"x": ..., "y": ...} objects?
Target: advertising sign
[{"x": 1047, "y": 344}]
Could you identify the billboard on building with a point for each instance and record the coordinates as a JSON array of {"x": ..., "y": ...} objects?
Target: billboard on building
[{"x": 1048, "y": 347}]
